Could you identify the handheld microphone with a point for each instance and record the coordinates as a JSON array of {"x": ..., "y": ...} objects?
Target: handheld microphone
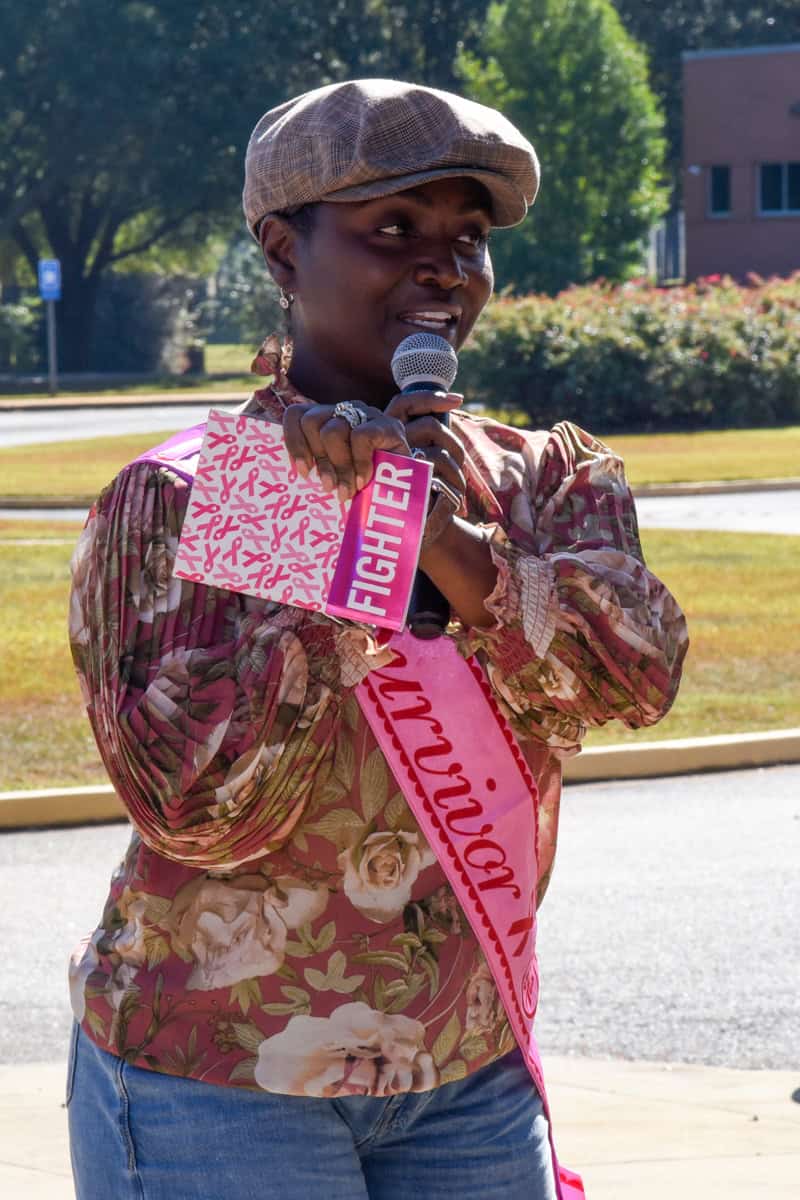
[{"x": 425, "y": 362}]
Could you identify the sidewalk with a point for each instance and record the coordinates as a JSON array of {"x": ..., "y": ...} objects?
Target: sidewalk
[{"x": 634, "y": 1130}]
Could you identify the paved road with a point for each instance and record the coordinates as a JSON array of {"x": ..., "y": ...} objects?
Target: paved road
[
  {"x": 28, "y": 428},
  {"x": 669, "y": 931},
  {"x": 743, "y": 512}
]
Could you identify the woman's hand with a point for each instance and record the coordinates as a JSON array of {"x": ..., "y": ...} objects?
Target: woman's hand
[
  {"x": 343, "y": 456},
  {"x": 459, "y": 562},
  {"x": 437, "y": 441}
]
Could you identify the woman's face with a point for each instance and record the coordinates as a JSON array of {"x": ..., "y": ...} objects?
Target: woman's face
[{"x": 370, "y": 273}]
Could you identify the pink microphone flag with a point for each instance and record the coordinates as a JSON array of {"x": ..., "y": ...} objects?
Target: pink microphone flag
[{"x": 254, "y": 526}]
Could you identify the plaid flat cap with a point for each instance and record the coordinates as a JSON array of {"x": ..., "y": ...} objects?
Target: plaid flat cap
[{"x": 374, "y": 137}]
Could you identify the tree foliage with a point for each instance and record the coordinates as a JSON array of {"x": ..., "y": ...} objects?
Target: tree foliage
[
  {"x": 124, "y": 124},
  {"x": 669, "y": 28},
  {"x": 567, "y": 73}
]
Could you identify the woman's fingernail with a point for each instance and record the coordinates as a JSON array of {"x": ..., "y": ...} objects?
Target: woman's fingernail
[
  {"x": 327, "y": 480},
  {"x": 301, "y": 466},
  {"x": 343, "y": 492},
  {"x": 360, "y": 482}
]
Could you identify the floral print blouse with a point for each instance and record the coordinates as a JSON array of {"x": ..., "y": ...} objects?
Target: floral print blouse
[{"x": 279, "y": 921}]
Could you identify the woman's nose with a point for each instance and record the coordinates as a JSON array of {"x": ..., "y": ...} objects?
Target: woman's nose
[{"x": 440, "y": 264}]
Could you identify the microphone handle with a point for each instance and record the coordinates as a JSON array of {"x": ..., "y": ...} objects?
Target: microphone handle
[{"x": 428, "y": 609}]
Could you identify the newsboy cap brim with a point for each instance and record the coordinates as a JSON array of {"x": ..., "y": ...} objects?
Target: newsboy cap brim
[
  {"x": 508, "y": 204},
  {"x": 367, "y": 138}
]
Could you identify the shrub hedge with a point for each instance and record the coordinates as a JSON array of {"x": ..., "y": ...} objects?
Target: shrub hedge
[
  {"x": 711, "y": 354},
  {"x": 19, "y": 324}
]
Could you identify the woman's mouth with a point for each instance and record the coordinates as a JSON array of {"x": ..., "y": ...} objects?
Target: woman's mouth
[{"x": 438, "y": 320}]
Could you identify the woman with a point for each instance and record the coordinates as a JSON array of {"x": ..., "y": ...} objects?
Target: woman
[{"x": 284, "y": 996}]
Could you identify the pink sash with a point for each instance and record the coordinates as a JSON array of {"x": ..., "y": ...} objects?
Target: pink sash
[
  {"x": 463, "y": 776},
  {"x": 458, "y": 764}
]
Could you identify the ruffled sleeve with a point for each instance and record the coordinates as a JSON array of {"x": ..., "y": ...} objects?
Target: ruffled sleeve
[
  {"x": 213, "y": 713},
  {"x": 584, "y": 633}
]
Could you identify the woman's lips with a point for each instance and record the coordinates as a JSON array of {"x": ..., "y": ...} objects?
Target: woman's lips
[{"x": 438, "y": 320}]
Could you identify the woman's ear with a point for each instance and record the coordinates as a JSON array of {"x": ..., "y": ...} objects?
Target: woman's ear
[{"x": 278, "y": 239}]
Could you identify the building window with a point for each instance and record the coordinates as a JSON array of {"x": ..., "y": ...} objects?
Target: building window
[
  {"x": 719, "y": 199},
  {"x": 779, "y": 188}
]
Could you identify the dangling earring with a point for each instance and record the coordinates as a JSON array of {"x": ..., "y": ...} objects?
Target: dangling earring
[{"x": 287, "y": 299}]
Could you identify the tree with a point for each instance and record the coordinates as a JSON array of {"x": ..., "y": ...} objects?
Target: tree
[
  {"x": 677, "y": 25},
  {"x": 124, "y": 125},
  {"x": 567, "y": 74},
  {"x": 117, "y": 119},
  {"x": 419, "y": 39}
]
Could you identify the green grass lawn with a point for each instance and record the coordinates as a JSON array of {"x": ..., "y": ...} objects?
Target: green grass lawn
[
  {"x": 741, "y": 593},
  {"x": 80, "y": 468},
  {"x": 229, "y": 358},
  {"x": 741, "y": 596},
  {"x": 71, "y": 469},
  {"x": 719, "y": 454}
]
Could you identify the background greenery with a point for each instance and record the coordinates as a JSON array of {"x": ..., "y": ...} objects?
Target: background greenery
[
  {"x": 124, "y": 127},
  {"x": 567, "y": 73},
  {"x": 710, "y": 355}
]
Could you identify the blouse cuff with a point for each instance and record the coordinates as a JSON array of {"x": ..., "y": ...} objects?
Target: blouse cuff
[
  {"x": 359, "y": 653},
  {"x": 524, "y": 592}
]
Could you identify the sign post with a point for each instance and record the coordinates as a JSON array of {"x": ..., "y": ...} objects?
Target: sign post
[{"x": 50, "y": 291}]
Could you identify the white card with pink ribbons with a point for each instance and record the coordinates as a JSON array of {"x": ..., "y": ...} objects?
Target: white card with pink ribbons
[{"x": 253, "y": 525}]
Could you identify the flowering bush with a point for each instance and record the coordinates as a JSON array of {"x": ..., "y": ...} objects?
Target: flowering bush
[{"x": 707, "y": 355}]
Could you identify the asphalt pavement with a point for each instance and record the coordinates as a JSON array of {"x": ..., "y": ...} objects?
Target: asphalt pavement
[
  {"x": 29, "y": 428},
  {"x": 743, "y": 512},
  {"x": 668, "y": 933}
]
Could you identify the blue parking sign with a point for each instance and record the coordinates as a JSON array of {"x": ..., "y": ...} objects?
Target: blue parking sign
[{"x": 49, "y": 279}]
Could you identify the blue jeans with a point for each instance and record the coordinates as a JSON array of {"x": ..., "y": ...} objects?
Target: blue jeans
[{"x": 140, "y": 1135}]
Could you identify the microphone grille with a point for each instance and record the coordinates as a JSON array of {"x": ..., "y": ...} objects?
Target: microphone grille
[{"x": 424, "y": 358}]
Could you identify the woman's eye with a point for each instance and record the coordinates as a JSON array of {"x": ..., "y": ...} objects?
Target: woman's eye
[{"x": 474, "y": 237}]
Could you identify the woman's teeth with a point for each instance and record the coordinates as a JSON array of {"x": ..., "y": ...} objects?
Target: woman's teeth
[{"x": 428, "y": 320}]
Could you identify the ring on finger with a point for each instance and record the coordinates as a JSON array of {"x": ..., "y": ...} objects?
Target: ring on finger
[
  {"x": 350, "y": 412},
  {"x": 418, "y": 453}
]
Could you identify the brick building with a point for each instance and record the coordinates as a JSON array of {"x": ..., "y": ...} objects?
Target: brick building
[{"x": 741, "y": 160}]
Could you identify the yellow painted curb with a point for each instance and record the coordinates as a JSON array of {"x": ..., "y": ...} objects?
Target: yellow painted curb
[
  {"x": 711, "y": 487},
  {"x": 684, "y": 756},
  {"x": 681, "y": 756},
  {"x": 60, "y": 806}
]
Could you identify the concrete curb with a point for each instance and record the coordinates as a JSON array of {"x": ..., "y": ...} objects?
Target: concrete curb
[
  {"x": 682, "y": 756},
  {"x": 647, "y": 491},
  {"x": 47, "y": 503},
  {"x": 714, "y": 487}
]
